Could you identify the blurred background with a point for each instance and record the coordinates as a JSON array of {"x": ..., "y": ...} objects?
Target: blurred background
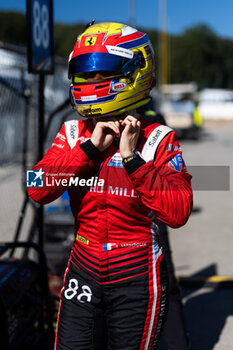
[{"x": 193, "y": 44}]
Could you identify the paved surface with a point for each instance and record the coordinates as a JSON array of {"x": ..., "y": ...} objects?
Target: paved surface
[
  {"x": 202, "y": 247},
  {"x": 207, "y": 238}
]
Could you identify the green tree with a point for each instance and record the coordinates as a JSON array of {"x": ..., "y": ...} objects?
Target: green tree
[
  {"x": 196, "y": 56},
  {"x": 65, "y": 37},
  {"x": 13, "y": 28}
]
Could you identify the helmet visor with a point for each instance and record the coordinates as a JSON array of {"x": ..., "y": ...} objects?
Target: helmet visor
[
  {"x": 96, "y": 61},
  {"x": 87, "y": 77}
]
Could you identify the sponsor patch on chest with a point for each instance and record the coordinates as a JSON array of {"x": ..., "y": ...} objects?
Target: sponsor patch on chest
[{"x": 116, "y": 161}]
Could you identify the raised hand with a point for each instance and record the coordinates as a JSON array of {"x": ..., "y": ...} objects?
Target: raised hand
[
  {"x": 129, "y": 135},
  {"x": 104, "y": 133}
]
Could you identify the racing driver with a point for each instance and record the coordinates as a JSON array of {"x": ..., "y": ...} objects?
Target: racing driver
[{"x": 114, "y": 291}]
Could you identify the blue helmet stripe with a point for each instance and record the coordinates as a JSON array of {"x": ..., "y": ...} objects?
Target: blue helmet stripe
[{"x": 135, "y": 43}]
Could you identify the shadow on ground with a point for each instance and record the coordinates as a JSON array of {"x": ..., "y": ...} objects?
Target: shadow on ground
[
  {"x": 206, "y": 314},
  {"x": 206, "y": 309}
]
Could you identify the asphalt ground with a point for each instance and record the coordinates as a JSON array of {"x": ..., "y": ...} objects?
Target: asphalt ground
[{"x": 202, "y": 249}]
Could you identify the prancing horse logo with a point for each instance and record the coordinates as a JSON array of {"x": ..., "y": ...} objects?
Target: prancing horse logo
[{"x": 90, "y": 41}]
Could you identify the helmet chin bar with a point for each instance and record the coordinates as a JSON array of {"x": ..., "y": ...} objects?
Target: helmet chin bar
[{"x": 118, "y": 112}]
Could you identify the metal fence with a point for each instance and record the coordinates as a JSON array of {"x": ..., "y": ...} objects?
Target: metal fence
[{"x": 19, "y": 103}]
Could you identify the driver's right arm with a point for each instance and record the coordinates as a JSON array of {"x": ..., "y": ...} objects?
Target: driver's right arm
[{"x": 61, "y": 159}]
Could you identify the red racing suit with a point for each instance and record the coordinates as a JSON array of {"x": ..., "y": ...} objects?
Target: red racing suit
[
  {"x": 159, "y": 184},
  {"x": 115, "y": 236}
]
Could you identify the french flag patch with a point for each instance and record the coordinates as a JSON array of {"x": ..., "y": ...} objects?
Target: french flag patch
[{"x": 109, "y": 246}]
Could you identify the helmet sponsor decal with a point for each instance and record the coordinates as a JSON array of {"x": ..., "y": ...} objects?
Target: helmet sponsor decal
[
  {"x": 118, "y": 86},
  {"x": 91, "y": 110},
  {"x": 119, "y": 51},
  {"x": 148, "y": 50},
  {"x": 89, "y": 98},
  {"x": 90, "y": 41}
]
